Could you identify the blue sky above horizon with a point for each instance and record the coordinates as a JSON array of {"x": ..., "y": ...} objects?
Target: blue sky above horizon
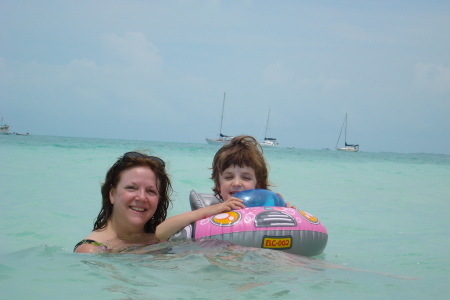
[{"x": 157, "y": 70}]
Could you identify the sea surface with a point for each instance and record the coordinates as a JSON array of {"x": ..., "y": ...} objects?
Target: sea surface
[{"x": 387, "y": 216}]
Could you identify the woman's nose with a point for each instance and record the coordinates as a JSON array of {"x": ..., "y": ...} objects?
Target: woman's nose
[{"x": 140, "y": 194}]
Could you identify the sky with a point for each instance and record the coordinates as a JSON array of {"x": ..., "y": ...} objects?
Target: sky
[{"x": 158, "y": 71}]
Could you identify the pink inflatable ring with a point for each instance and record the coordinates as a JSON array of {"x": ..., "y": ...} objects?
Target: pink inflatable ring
[{"x": 266, "y": 226}]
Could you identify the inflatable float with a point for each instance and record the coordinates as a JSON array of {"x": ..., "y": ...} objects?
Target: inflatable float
[{"x": 266, "y": 222}]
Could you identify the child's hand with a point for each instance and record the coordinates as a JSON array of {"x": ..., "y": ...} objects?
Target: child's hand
[
  {"x": 231, "y": 204},
  {"x": 288, "y": 205}
]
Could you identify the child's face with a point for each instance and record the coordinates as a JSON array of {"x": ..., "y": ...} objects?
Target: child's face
[{"x": 235, "y": 179}]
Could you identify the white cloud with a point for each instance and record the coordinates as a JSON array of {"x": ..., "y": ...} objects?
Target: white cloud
[
  {"x": 276, "y": 73},
  {"x": 83, "y": 64},
  {"x": 322, "y": 82},
  {"x": 4, "y": 72},
  {"x": 432, "y": 77},
  {"x": 133, "y": 49},
  {"x": 360, "y": 33}
]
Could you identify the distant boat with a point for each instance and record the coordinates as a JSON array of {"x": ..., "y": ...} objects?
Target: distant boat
[
  {"x": 347, "y": 147},
  {"x": 4, "y": 128},
  {"x": 268, "y": 141},
  {"x": 222, "y": 139}
]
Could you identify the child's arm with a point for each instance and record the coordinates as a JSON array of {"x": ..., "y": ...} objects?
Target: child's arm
[{"x": 174, "y": 224}]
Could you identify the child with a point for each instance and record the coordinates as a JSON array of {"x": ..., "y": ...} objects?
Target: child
[{"x": 238, "y": 166}]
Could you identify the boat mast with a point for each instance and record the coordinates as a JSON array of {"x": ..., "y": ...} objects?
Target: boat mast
[
  {"x": 340, "y": 133},
  {"x": 267, "y": 125},
  {"x": 345, "y": 134},
  {"x": 221, "y": 119}
]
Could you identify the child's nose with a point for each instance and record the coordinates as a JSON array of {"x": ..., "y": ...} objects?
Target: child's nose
[{"x": 237, "y": 182}]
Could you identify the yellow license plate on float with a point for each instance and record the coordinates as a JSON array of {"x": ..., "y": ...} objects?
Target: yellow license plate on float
[{"x": 272, "y": 242}]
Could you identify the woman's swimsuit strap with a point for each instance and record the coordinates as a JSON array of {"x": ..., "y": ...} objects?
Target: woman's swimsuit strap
[{"x": 91, "y": 242}]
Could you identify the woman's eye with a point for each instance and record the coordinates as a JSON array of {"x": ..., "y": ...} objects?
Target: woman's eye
[{"x": 152, "y": 192}]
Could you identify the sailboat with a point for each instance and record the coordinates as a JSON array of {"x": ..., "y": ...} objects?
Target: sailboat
[
  {"x": 268, "y": 141},
  {"x": 222, "y": 139},
  {"x": 347, "y": 147},
  {"x": 4, "y": 128}
]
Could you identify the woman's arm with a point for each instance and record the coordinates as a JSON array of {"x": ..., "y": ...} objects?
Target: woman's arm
[{"x": 174, "y": 224}]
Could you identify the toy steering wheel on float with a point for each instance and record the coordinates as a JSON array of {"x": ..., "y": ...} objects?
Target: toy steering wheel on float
[{"x": 265, "y": 222}]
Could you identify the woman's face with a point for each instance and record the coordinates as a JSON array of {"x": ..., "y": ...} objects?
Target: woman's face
[
  {"x": 135, "y": 198},
  {"x": 235, "y": 179}
]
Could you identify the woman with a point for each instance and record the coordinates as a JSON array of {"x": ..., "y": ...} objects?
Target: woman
[{"x": 135, "y": 199}]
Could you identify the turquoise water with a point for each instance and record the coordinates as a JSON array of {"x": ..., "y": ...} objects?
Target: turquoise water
[{"x": 387, "y": 216}]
